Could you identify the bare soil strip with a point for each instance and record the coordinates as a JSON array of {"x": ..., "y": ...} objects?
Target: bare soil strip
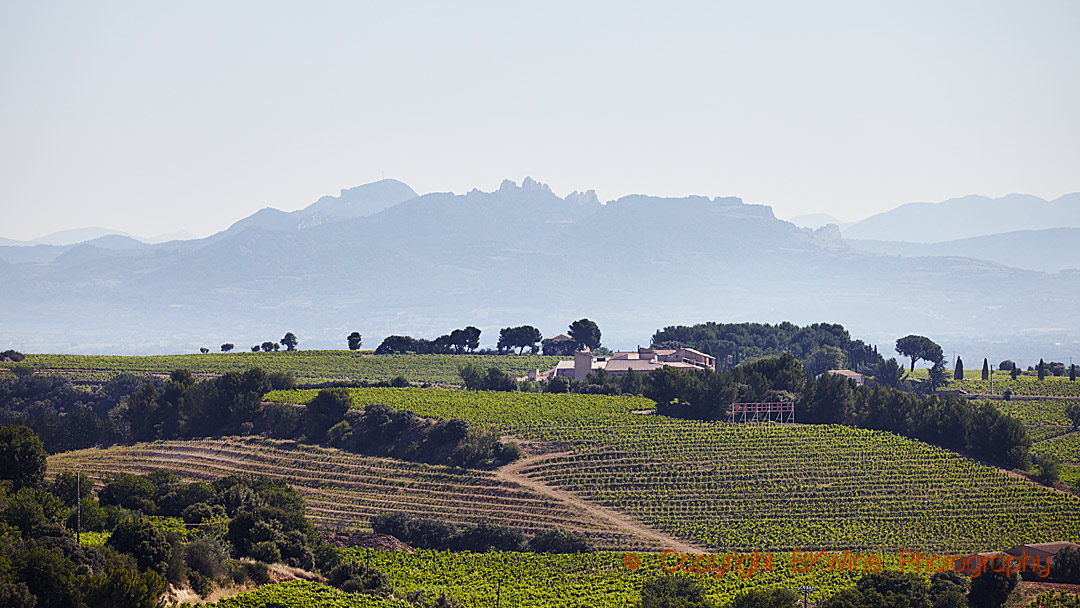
[{"x": 512, "y": 473}]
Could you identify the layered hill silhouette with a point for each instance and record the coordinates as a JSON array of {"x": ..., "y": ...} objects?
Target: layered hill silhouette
[
  {"x": 380, "y": 260},
  {"x": 1050, "y": 250},
  {"x": 967, "y": 217}
]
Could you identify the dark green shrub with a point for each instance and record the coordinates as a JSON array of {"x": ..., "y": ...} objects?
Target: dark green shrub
[
  {"x": 200, "y": 584},
  {"x": 207, "y": 557},
  {"x": 355, "y": 577},
  {"x": 258, "y": 572},
  {"x": 265, "y": 551},
  {"x": 560, "y": 541}
]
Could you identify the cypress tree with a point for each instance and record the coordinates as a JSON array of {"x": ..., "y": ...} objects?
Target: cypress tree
[
  {"x": 1042, "y": 369},
  {"x": 958, "y": 370},
  {"x": 986, "y": 369},
  {"x": 1072, "y": 372}
]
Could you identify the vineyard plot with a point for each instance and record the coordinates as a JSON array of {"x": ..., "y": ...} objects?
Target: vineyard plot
[
  {"x": 346, "y": 490},
  {"x": 775, "y": 486},
  {"x": 305, "y": 364}
]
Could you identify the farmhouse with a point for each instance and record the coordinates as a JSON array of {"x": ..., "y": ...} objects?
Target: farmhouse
[
  {"x": 847, "y": 373},
  {"x": 643, "y": 360},
  {"x": 559, "y": 344},
  {"x": 1042, "y": 551},
  {"x": 1035, "y": 558}
]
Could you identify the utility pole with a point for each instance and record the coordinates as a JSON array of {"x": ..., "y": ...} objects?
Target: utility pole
[{"x": 78, "y": 506}]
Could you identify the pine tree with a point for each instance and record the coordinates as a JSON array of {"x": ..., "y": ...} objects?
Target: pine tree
[{"x": 986, "y": 369}]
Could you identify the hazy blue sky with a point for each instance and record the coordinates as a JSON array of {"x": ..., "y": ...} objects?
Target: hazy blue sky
[{"x": 150, "y": 117}]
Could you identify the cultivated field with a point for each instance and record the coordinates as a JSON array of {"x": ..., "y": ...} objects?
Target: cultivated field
[
  {"x": 722, "y": 486},
  {"x": 1050, "y": 386},
  {"x": 313, "y": 365},
  {"x": 344, "y": 490},
  {"x": 632, "y": 482}
]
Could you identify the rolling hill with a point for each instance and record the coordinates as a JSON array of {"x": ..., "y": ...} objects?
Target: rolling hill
[
  {"x": 635, "y": 480},
  {"x": 1049, "y": 250},
  {"x": 967, "y": 217}
]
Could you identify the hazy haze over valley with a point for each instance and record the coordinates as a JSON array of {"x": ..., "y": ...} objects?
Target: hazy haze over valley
[{"x": 381, "y": 260}]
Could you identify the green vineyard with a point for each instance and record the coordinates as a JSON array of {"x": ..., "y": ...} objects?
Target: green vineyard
[
  {"x": 305, "y": 364},
  {"x": 1050, "y": 386},
  {"x": 304, "y": 594},
  {"x": 1037, "y": 412},
  {"x": 529, "y": 580},
  {"x": 344, "y": 490},
  {"x": 631, "y": 481},
  {"x": 1065, "y": 447},
  {"x": 727, "y": 486}
]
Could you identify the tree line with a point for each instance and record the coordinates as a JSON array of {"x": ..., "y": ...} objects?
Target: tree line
[
  {"x": 380, "y": 430},
  {"x": 820, "y": 346},
  {"x": 132, "y": 408},
  {"x": 427, "y": 533},
  {"x": 945, "y": 420},
  {"x": 459, "y": 341},
  {"x": 582, "y": 332}
]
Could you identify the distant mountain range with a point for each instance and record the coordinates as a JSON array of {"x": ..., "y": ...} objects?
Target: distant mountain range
[
  {"x": 818, "y": 220},
  {"x": 1050, "y": 250},
  {"x": 970, "y": 216},
  {"x": 361, "y": 201},
  {"x": 83, "y": 235},
  {"x": 380, "y": 260}
]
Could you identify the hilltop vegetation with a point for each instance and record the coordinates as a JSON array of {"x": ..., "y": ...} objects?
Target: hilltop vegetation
[{"x": 820, "y": 347}]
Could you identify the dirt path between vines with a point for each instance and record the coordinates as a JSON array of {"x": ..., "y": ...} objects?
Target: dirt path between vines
[{"x": 512, "y": 473}]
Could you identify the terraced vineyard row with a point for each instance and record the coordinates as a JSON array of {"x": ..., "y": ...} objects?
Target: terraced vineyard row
[
  {"x": 529, "y": 580},
  {"x": 1070, "y": 475},
  {"x": 1056, "y": 599},
  {"x": 508, "y": 410},
  {"x": 738, "y": 486},
  {"x": 1036, "y": 412},
  {"x": 346, "y": 490},
  {"x": 313, "y": 364},
  {"x": 1044, "y": 433},
  {"x": 784, "y": 487},
  {"x": 1065, "y": 447},
  {"x": 601, "y": 580},
  {"x": 1051, "y": 386},
  {"x": 303, "y": 594}
]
